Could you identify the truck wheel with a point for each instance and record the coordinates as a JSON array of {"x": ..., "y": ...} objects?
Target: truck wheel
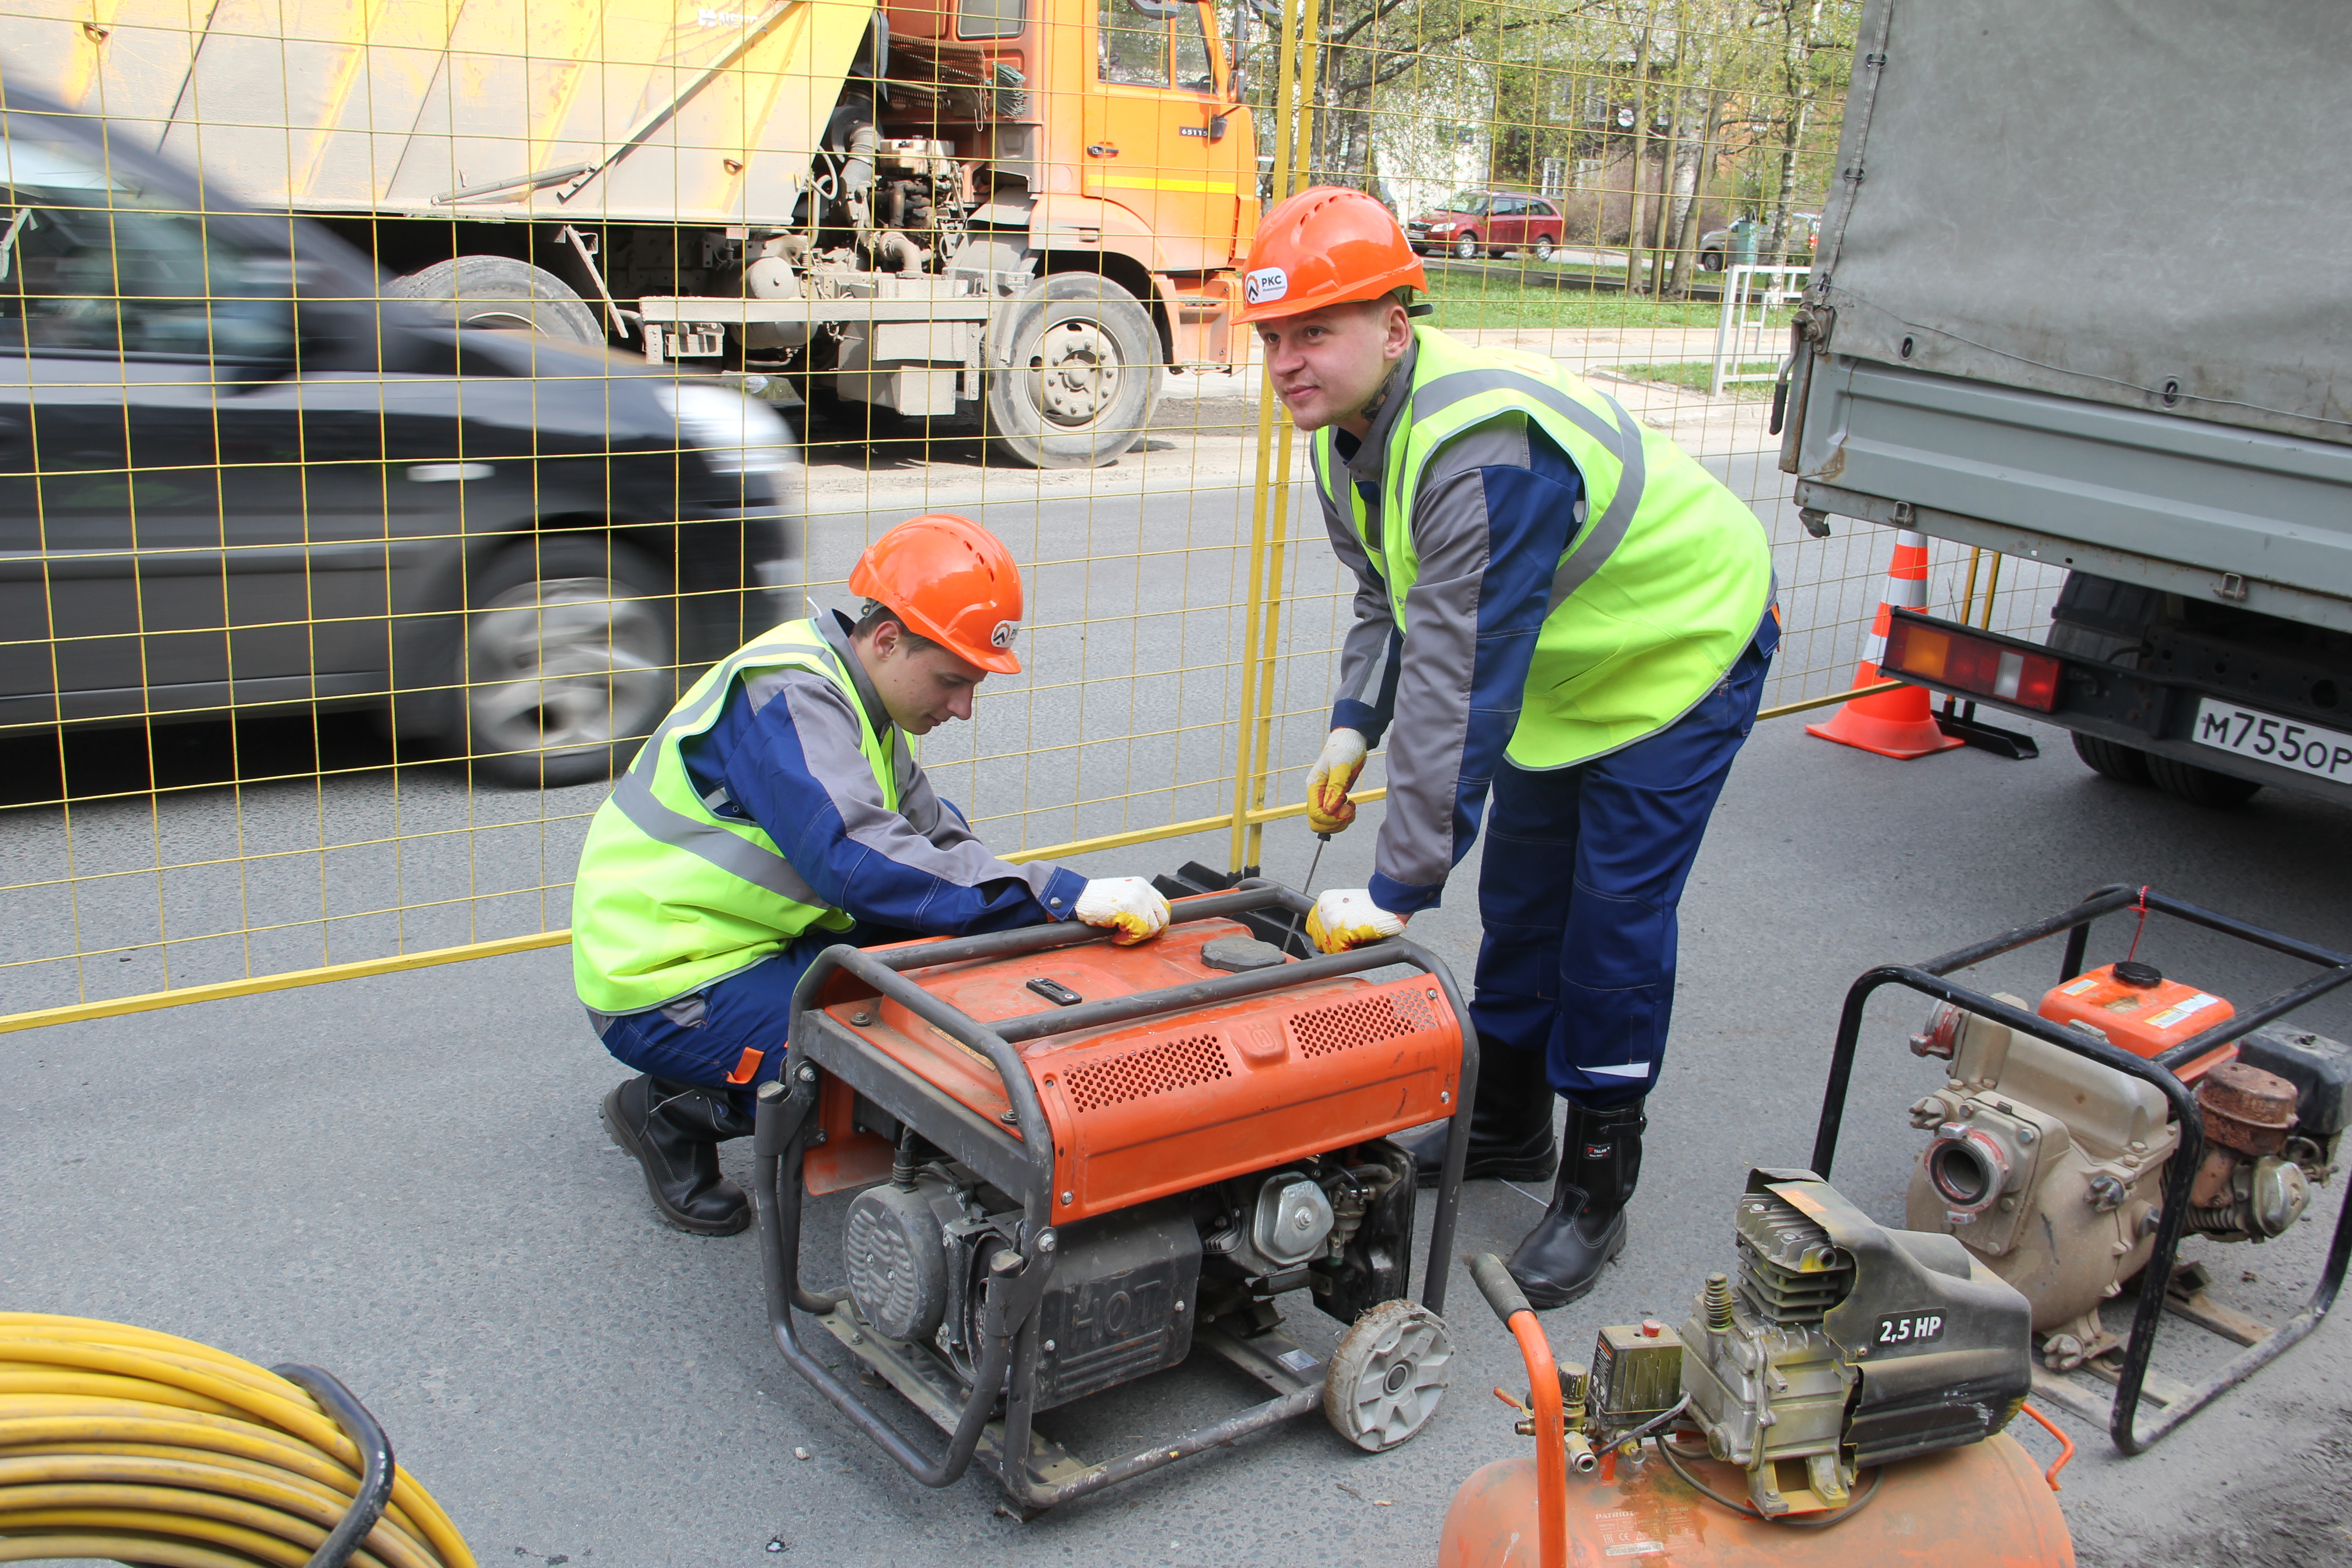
[
  {"x": 2124, "y": 764},
  {"x": 568, "y": 660},
  {"x": 498, "y": 293},
  {"x": 2198, "y": 786},
  {"x": 1082, "y": 377},
  {"x": 1389, "y": 1375}
]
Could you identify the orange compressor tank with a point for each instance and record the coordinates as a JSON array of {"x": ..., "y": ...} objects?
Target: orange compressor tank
[
  {"x": 1982, "y": 1506},
  {"x": 2134, "y": 1007}
]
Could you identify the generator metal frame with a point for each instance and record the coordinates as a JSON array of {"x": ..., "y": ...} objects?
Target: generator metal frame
[
  {"x": 1022, "y": 1166},
  {"x": 2129, "y": 1435}
]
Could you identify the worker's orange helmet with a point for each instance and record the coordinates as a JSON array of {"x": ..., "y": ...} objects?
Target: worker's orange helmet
[
  {"x": 951, "y": 581},
  {"x": 1325, "y": 246}
]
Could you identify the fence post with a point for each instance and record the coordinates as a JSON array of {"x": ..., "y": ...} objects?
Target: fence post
[{"x": 1262, "y": 629}]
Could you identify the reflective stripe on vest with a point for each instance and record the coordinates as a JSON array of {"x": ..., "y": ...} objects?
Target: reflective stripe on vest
[
  {"x": 670, "y": 896},
  {"x": 1622, "y": 440},
  {"x": 1662, "y": 581}
]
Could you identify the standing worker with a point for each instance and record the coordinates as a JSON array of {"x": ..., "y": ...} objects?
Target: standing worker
[
  {"x": 779, "y": 810},
  {"x": 1552, "y": 601}
]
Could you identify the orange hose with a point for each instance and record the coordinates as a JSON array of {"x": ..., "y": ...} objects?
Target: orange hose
[
  {"x": 1551, "y": 1441},
  {"x": 2066, "y": 1445}
]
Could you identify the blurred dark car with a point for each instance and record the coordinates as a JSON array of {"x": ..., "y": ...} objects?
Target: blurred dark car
[
  {"x": 1716, "y": 244},
  {"x": 1488, "y": 223},
  {"x": 234, "y": 479}
]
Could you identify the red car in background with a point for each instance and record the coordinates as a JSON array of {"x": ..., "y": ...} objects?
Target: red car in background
[{"x": 1488, "y": 223}]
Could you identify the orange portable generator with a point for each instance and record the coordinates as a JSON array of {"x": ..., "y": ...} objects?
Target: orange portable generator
[{"x": 1081, "y": 1163}]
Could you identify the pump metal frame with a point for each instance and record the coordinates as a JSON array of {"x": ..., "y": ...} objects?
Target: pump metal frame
[
  {"x": 2130, "y": 1435},
  {"x": 1035, "y": 1474}
]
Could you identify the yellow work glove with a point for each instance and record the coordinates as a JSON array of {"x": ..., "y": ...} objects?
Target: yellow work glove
[
  {"x": 1328, "y": 809},
  {"x": 1129, "y": 905},
  {"x": 1347, "y": 917}
]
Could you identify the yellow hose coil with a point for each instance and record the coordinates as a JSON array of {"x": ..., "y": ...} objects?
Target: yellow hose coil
[{"x": 124, "y": 1445}]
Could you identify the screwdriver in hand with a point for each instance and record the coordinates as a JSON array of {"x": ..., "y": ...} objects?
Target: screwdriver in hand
[{"x": 1321, "y": 840}]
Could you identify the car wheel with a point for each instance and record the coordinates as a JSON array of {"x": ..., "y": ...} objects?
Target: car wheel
[
  {"x": 568, "y": 660},
  {"x": 1545, "y": 249},
  {"x": 2124, "y": 764},
  {"x": 1080, "y": 374},
  {"x": 498, "y": 293},
  {"x": 1710, "y": 261},
  {"x": 2198, "y": 786},
  {"x": 1466, "y": 248}
]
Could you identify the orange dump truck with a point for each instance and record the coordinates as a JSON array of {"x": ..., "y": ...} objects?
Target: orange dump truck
[{"x": 1013, "y": 212}]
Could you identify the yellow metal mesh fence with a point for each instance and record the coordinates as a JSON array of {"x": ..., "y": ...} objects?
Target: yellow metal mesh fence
[{"x": 323, "y": 626}]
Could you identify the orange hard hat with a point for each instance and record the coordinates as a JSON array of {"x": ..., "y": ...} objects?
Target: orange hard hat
[
  {"x": 1325, "y": 246},
  {"x": 951, "y": 581}
]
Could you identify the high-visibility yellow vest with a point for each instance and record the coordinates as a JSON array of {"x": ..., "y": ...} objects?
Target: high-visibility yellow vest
[
  {"x": 671, "y": 896},
  {"x": 1660, "y": 589}
]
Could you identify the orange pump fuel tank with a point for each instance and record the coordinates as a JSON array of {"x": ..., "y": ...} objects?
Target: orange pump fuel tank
[
  {"x": 2134, "y": 1007},
  {"x": 1983, "y": 1506}
]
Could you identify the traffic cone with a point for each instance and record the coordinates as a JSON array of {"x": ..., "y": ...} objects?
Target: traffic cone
[{"x": 1896, "y": 723}]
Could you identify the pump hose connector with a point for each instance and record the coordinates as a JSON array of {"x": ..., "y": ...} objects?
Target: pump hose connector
[{"x": 124, "y": 1445}]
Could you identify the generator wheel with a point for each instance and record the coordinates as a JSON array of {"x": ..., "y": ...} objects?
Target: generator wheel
[{"x": 1389, "y": 1375}]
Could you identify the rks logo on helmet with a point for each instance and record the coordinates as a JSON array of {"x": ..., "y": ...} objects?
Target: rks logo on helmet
[{"x": 1266, "y": 284}]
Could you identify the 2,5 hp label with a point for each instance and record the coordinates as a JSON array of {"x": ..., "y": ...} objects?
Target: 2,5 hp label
[{"x": 1904, "y": 1328}]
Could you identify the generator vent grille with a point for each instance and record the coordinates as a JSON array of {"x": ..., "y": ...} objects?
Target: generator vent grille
[
  {"x": 1388, "y": 1017},
  {"x": 1138, "y": 1075}
]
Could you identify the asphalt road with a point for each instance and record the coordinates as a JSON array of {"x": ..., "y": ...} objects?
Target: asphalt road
[
  {"x": 1123, "y": 719},
  {"x": 404, "y": 1180}
]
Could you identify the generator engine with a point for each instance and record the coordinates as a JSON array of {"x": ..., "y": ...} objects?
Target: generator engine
[
  {"x": 1128, "y": 1286},
  {"x": 2050, "y": 1167}
]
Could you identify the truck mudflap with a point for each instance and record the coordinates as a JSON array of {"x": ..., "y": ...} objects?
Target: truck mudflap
[{"x": 2211, "y": 705}]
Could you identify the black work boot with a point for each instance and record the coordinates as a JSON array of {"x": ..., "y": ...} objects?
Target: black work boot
[
  {"x": 675, "y": 1131},
  {"x": 1510, "y": 1123},
  {"x": 1585, "y": 1226}
]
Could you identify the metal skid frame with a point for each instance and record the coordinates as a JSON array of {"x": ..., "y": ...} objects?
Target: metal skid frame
[
  {"x": 2130, "y": 1434},
  {"x": 1035, "y": 1473}
]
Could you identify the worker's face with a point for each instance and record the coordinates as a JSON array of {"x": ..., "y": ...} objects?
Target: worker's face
[
  {"x": 1326, "y": 365},
  {"x": 923, "y": 686}
]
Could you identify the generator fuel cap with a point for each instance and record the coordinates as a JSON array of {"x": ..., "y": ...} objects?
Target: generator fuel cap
[{"x": 1239, "y": 954}]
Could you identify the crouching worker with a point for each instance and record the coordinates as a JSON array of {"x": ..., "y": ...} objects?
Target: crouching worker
[{"x": 779, "y": 810}]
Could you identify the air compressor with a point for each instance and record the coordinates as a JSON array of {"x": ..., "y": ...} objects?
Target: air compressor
[
  {"x": 1843, "y": 1374},
  {"x": 1082, "y": 1165}
]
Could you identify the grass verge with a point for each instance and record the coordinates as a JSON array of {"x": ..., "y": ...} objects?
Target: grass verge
[
  {"x": 1494, "y": 299},
  {"x": 1698, "y": 375}
]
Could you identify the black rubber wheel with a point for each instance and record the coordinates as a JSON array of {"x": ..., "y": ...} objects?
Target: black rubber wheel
[
  {"x": 1710, "y": 261},
  {"x": 569, "y": 660},
  {"x": 498, "y": 293},
  {"x": 1544, "y": 247},
  {"x": 1080, "y": 377},
  {"x": 1466, "y": 248},
  {"x": 2124, "y": 764},
  {"x": 2198, "y": 786}
]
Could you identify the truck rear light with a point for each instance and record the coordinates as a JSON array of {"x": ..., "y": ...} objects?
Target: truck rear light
[{"x": 1988, "y": 667}]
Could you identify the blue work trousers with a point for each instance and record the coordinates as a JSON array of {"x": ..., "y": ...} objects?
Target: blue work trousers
[
  {"x": 700, "y": 1039},
  {"x": 1584, "y": 868}
]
